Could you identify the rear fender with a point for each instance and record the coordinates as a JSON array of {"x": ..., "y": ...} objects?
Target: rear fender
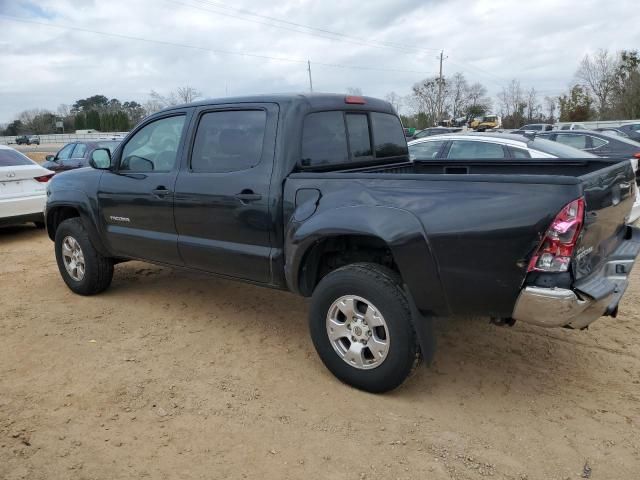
[{"x": 399, "y": 229}]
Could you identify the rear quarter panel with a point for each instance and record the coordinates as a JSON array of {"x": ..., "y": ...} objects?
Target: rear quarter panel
[{"x": 477, "y": 230}]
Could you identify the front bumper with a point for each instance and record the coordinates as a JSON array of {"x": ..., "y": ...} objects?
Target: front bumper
[{"x": 589, "y": 299}]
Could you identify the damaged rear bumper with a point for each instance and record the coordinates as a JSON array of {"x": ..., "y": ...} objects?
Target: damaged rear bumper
[{"x": 588, "y": 299}]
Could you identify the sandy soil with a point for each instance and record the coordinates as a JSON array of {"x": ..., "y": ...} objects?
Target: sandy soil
[{"x": 172, "y": 375}]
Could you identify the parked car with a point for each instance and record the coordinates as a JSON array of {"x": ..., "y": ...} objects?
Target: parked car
[
  {"x": 76, "y": 155},
  {"x": 572, "y": 126},
  {"x": 603, "y": 144},
  {"x": 612, "y": 131},
  {"x": 427, "y": 132},
  {"x": 27, "y": 140},
  {"x": 315, "y": 194},
  {"x": 534, "y": 127},
  {"x": 632, "y": 130},
  {"x": 488, "y": 145},
  {"x": 22, "y": 188}
]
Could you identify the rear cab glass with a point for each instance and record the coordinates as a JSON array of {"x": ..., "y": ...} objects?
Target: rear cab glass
[
  {"x": 342, "y": 138},
  {"x": 12, "y": 158}
]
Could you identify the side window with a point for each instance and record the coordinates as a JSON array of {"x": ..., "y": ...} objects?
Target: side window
[
  {"x": 425, "y": 150},
  {"x": 79, "y": 151},
  {"x": 153, "y": 148},
  {"x": 467, "y": 150},
  {"x": 358, "y": 129},
  {"x": 574, "y": 140},
  {"x": 597, "y": 142},
  {"x": 324, "y": 139},
  {"x": 388, "y": 135},
  {"x": 65, "y": 153},
  {"x": 519, "y": 153},
  {"x": 228, "y": 141}
]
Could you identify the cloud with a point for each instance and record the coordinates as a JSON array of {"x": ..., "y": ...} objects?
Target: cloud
[{"x": 540, "y": 43}]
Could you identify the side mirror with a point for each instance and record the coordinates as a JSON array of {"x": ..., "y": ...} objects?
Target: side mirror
[
  {"x": 50, "y": 158},
  {"x": 100, "y": 159}
]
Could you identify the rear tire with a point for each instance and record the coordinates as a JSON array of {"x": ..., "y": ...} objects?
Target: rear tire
[
  {"x": 83, "y": 268},
  {"x": 374, "y": 349}
]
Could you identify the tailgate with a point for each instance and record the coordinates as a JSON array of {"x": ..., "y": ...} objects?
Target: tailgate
[{"x": 609, "y": 195}]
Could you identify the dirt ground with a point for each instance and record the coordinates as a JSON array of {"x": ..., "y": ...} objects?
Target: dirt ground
[{"x": 171, "y": 375}]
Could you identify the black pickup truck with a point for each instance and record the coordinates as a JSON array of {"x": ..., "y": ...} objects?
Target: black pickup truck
[{"x": 315, "y": 194}]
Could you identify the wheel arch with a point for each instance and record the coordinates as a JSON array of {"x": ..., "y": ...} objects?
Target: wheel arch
[
  {"x": 391, "y": 234},
  {"x": 59, "y": 211}
]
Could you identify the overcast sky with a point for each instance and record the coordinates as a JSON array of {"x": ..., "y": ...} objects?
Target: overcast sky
[{"x": 540, "y": 43}]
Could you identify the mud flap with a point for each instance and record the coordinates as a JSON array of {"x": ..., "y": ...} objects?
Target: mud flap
[{"x": 425, "y": 330}]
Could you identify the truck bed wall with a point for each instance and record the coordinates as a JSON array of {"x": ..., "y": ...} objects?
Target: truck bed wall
[{"x": 480, "y": 229}]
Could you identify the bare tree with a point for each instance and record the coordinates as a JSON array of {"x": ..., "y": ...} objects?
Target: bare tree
[
  {"x": 598, "y": 75},
  {"x": 425, "y": 94},
  {"x": 157, "y": 101},
  {"x": 187, "y": 94},
  {"x": 394, "y": 99},
  {"x": 550, "y": 104},
  {"x": 533, "y": 107},
  {"x": 458, "y": 94}
]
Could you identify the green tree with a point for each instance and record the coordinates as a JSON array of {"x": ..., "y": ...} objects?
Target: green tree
[{"x": 577, "y": 106}]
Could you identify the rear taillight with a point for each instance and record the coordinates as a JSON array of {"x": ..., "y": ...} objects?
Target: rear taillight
[
  {"x": 636, "y": 155},
  {"x": 556, "y": 249},
  {"x": 43, "y": 178}
]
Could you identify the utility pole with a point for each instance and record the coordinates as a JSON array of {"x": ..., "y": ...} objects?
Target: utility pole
[
  {"x": 309, "y": 70},
  {"x": 440, "y": 86}
]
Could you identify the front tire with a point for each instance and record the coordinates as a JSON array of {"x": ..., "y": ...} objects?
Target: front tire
[
  {"x": 360, "y": 324},
  {"x": 83, "y": 268}
]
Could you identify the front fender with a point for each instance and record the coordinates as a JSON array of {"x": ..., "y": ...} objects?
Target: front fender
[
  {"x": 398, "y": 228},
  {"x": 87, "y": 210}
]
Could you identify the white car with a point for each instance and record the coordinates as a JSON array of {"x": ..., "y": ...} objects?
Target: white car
[
  {"x": 496, "y": 146},
  {"x": 23, "y": 188}
]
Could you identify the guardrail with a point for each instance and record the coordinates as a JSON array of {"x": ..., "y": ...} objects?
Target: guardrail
[{"x": 63, "y": 138}]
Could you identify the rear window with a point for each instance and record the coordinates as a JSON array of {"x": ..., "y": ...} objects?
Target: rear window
[
  {"x": 337, "y": 138},
  {"x": 425, "y": 150},
  {"x": 575, "y": 140},
  {"x": 388, "y": 136},
  {"x": 11, "y": 158}
]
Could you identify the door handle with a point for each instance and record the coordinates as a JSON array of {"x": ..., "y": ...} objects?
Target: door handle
[
  {"x": 161, "y": 191},
  {"x": 247, "y": 195}
]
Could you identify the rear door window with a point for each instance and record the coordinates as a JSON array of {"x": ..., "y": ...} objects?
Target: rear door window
[
  {"x": 11, "y": 158},
  {"x": 468, "y": 150},
  {"x": 519, "y": 152},
  {"x": 575, "y": 140},
  {"x": 79, "y": 151},
  {"x": 597, "y": 142},
  {"x": 388, "y": 135},
  {"x": 228, "y": 141},
  {"x": 425, "y": 150}
]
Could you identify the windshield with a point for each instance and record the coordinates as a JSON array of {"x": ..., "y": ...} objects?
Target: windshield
[{"x": 558, "y": 149}]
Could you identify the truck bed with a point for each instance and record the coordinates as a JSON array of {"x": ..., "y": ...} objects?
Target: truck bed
[{"x": 482, "y": 220}]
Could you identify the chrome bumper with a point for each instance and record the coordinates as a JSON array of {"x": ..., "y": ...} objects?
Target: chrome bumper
[{"x": 588, "y": 300}]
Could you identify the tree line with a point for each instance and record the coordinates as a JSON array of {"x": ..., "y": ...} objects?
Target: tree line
[
  {"x": 605, "y": 86},
  {"x": 96, "y": 112}
]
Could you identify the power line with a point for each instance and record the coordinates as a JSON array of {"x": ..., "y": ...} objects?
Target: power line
[
  {"x": 342, "y": 37},
  {"x": 212, "y": 50}
]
